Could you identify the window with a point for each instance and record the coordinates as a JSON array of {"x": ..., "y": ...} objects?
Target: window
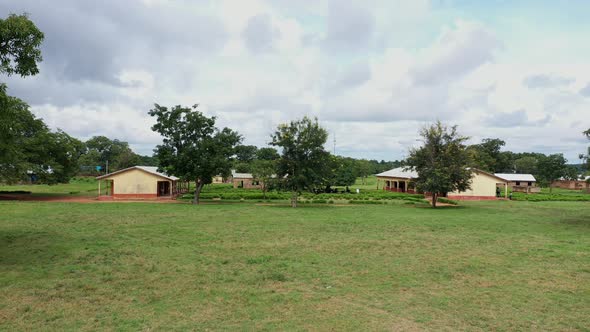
[
  {"x": 530, "y": 183},
  {"x": 518, "y": 183}
]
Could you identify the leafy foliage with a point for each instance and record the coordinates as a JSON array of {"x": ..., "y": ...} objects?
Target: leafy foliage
[
  {"x": 442, "y": 162},
  {"x": 304, "y": 162},
  {"x": 20, "y": 40},
  {"x": 193, "y": 148},
  {"x": 551, "y": 168}
]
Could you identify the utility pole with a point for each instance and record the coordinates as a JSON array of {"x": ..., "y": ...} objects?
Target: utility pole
[{"x": 334, "y": 143}]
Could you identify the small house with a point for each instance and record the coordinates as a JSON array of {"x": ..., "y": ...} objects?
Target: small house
[
  {"x": 245, "y": 180},
  {"x": 140, "y": 182},
  {"x": 483, "y": 184},
  {"x": 525, "y": 183},
  {"x": 398, "y": 180}
]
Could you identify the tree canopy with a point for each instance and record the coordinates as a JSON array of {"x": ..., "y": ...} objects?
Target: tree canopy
[
  {"x": 551, "y": 168},
  {"x": 441, "y": 162},
  {"x": 193, "y": 148},
  {"x": 20, "y": 42},
  {"x": 304, "y": 162}
]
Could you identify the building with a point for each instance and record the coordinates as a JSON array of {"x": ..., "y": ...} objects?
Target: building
[
  {"x": 580, "y": 184},
  {"x": 245, "y": 180},
  {"x": 483, "y": 187},
  {"x": 140, "y": 182},
  {"x": 397, "y": 180},
  {"x": 483, "y": 184},
  {"x": 525, "y": 183}
]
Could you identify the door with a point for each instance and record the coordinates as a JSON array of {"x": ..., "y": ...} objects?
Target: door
[{"x": 163, "y": 188}]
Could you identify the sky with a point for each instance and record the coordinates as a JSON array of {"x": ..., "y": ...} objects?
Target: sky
[{"x": 373, "y": 72}]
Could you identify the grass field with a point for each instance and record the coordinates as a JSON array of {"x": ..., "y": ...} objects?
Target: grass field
[{"x": 501, "y": 266}]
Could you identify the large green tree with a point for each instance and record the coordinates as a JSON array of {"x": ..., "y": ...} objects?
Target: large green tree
[
  {"x": 118, "y": 154},
  {"x": 20, "y": 42},
  {"x": 304, "y": 162},
  {"x": 193, "y": 148},
  {"x": 267, "y": 153},
  {"x": 551, "y": 168},
  {"x": 441, "y": 162}
]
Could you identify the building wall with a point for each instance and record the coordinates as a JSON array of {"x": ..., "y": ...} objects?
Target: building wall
[
  {"x": 566, "y": 184},
  {"x": 483, "y": 186},
  {"x": 248, "y": 183},
  {"x": 135, "y": 182}
]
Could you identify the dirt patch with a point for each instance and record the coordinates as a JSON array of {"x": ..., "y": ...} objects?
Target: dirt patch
[{"x": 78, "y": 199}]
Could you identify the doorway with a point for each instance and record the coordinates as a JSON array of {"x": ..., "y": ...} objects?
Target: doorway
[{"x": 163, "y": 188}]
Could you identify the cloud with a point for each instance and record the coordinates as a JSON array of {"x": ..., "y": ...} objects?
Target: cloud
[
  {"x": 547, "y": 81},
  {"x": 259, "y": 34},
  {"x": 585, "y": 91},
  {"x": 363, "y": 68},
  {"x": 508, "y": 119},
  {"x": 349, "y": 27},
  {"x": 457, "y": 51}
]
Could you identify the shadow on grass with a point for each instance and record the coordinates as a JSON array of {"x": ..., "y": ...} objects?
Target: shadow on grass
[{"x": 30, "y": 248}]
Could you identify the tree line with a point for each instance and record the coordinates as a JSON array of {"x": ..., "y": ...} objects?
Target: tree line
[{"x": 194, "y": 149}]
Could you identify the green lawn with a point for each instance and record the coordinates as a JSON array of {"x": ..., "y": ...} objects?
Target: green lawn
[
  {"x": 501, "y": 265},
  {"x": 80, "y": 186}
]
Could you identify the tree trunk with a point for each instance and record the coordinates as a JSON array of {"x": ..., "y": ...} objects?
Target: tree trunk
[
  {"x": 294, "y": 199},
  {"x": 199, "y": 186},
  {"x": 264, "y": 191},
  {"x": 434, "y": 200},
  {"x": 550, "y": 186}
]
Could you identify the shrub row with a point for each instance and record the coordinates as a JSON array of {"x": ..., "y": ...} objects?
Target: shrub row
[{"x": 550, "y": 197}]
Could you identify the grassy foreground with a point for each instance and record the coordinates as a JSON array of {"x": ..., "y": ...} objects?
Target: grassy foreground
[{"x": 129, "y": 266}]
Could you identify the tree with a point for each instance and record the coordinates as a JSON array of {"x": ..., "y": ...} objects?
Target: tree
[
  {"x": 246, "y": 153},
  {"x": 19, "y": 53},
  {"x": 363, "y": 169},
  {"x": 118, "y": 154},
  {"x": 441, "y": 162},
  {"x": 304, "y": 162},
  {"x": 264, "y": 171},
  {"x": 267, "y": 153},
  {"x": 527, "y": 164},
  {"x": 193, "y": 148},
  {"x": 551, "y": 168},
  {"x": 19, "y": 133},
  {"x": 54, "y": 157},
  {"x": 571, "y": 173},
  {"x": 487, "y": 155},
  {"x": 343, "y": 172},
  {"x": 20, "y": 42}
]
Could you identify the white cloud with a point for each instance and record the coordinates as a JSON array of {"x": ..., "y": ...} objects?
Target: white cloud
[{"x": 373, "y": 72}]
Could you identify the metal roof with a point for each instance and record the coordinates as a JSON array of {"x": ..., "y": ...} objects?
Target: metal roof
[
  {"x": 399, "y": 172},
  {"x": 242, "y": 175},
  {"x": 516, "y": 177},
  {"x": 149, "y": 169}
]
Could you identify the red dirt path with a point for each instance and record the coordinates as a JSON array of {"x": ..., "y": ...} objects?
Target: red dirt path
[{"x": 78, "y": 199}]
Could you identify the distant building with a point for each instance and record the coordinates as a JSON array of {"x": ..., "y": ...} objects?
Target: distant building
[
  {"x": 483, "y": 184},
  {"x": 398, "y": 180},
  {"x": 579, "y": 184},
  {"x": 245, "y": 180},
  {"x": 140, "y": 182},
  {"x": 525, "y": 183}
]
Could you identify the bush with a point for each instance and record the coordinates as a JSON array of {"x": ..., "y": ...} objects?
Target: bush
[{"x": 447, "y": 201}]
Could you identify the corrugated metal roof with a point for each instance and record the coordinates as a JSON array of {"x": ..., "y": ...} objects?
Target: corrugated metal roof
[
  {"x": 516, "y": 177},
  {"x": 149, "y": 169},
  {"x": 399, "y": 172},
  {"x": 242, "y": 175}
]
